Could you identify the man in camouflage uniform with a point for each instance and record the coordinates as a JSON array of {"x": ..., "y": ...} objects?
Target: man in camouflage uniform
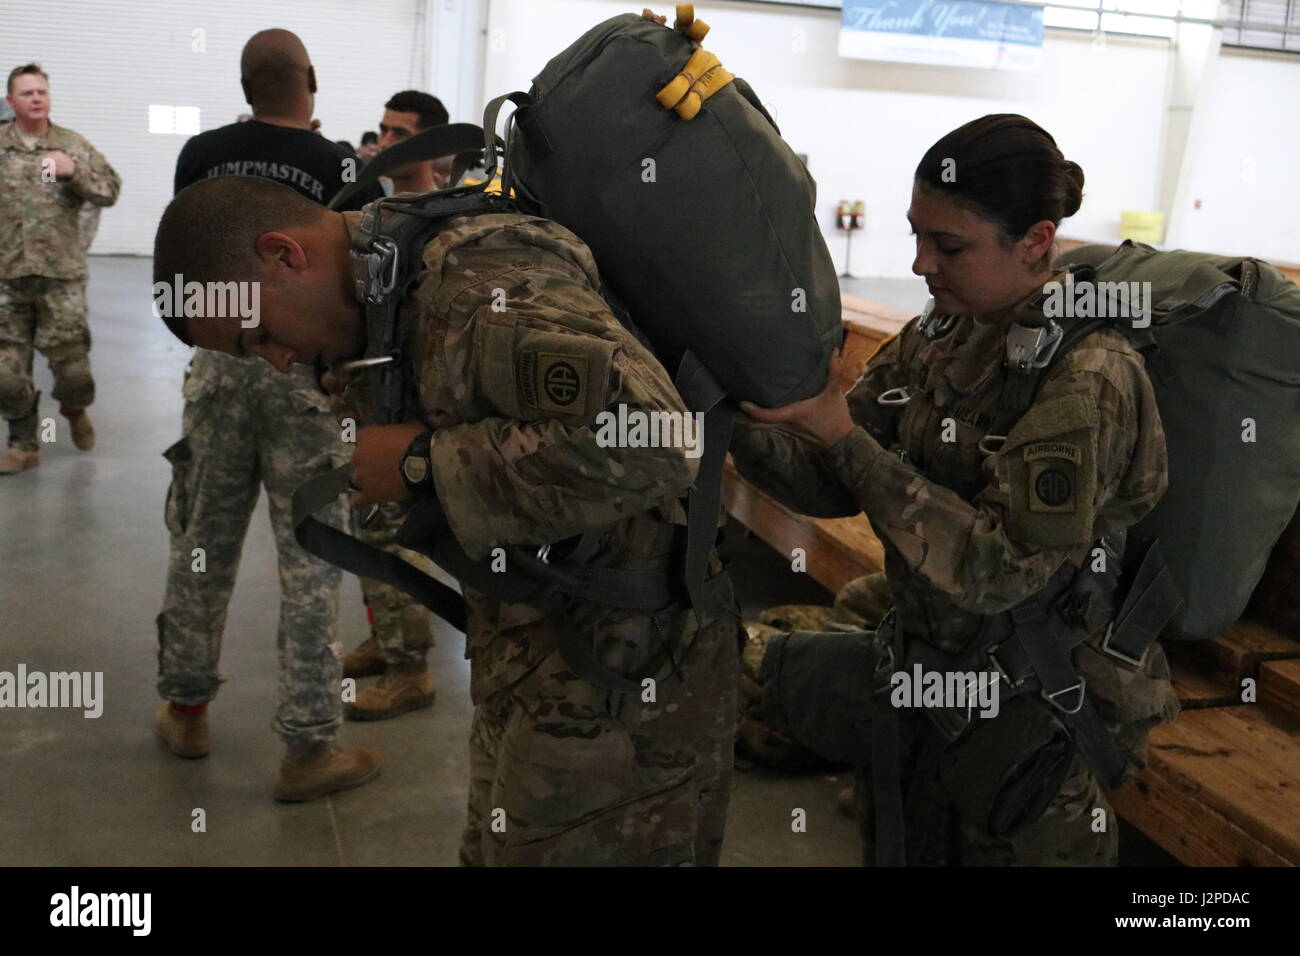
[
  {"x": 400, "y": 629},
  {"x": 46, "y": 174},
  {"x": 562, "y": 771},
  {"x": 968, "y": 533},
  {"x": 245, "y": 426}
]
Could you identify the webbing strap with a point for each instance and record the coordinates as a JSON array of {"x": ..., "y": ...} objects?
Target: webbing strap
[
  {"x": 1062, "y": 687},
  {"x": 344, "y": 551},
  {"x": 1152, "y": 599},
  {"x": 490, "y": 141},
  {"x": 886, "y": 753},
  {"x": 432, "y": 143},
  {"x": 702, "y": 393}
]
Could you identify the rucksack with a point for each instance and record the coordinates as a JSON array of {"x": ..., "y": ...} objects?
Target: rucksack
[
  {"x": 702, "y": 223},
  {"x": 1223, "y": 355}
]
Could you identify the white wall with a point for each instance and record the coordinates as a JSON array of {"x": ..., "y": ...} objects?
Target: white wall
[
  {"x": 865, "y": 125},
  {"x": 1246, "y": 149}
]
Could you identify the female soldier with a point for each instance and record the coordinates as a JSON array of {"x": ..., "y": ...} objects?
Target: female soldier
[{"x": 1000, "y": 479}]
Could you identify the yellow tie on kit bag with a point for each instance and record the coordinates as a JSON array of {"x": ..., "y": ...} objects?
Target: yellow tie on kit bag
[{"x": 701, "y": 77}]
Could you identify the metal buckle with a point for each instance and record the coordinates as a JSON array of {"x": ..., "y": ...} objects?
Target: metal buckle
[
  {"x": 544, "y": 554},
  {"x": 1032, "y": 347},
  {"x": 997, "y": 666},
  {"x": 380, "y": 270},
  {"x": 1081, "y": 687},
  {"x": 1118, "y": 654},
  {"x": 894, "y": 396},
  {"x": 1001, "y": 441}
]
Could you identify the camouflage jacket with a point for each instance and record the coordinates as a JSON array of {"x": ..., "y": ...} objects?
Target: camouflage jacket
[
  {"x": 40, "y": 232},
  {"x": 968, "y": 533},
  {"x": 512, "y": 354}
]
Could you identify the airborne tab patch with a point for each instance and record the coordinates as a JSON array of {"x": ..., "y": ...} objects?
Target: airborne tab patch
[{"x": 1053, "y": 482}]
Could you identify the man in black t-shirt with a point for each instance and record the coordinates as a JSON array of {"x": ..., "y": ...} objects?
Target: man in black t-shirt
[
  {"x": 247, "y": 425},
  {"x": 293, "y": 155}
]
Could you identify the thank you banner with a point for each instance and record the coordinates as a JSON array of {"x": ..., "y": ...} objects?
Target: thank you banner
[{"x": 1000, "y": 36}]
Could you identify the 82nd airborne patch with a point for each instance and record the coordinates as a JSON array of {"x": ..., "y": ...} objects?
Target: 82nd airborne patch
[
  {"x": 552, "y": 382},
  {"x": 1053, "y": 478}
]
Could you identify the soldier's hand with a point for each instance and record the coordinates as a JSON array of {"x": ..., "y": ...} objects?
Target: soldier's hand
[
  {"x": 376, "y": 464},
  {"x": 824, "y": 417},
  {"x": 64, "y": 165}
]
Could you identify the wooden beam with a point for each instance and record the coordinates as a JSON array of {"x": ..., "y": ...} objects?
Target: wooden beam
[
  {"x": 1279, "y": 693},
  {"x": 837, "y": 549}
]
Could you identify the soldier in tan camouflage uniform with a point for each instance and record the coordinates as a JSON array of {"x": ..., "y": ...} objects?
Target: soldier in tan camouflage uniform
[
  {"x": 46, "y": 174},
  {"x": 561, "y": 770},
  {"x": 967, "y": 531}
]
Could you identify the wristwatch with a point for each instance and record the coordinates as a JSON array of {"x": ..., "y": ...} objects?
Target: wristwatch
[{"x": 417, "y": 471}]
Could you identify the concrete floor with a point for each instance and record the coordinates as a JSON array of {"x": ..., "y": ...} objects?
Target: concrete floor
[{"x": 83, "y": 554}]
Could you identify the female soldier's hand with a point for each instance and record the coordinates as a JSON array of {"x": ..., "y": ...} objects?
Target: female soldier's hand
[{"x": 824, "y": 417}]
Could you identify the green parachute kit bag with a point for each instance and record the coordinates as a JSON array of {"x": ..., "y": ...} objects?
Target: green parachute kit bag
[
  {"x": 704, "y": 227},
  {"x": 1223, "y": 354}
]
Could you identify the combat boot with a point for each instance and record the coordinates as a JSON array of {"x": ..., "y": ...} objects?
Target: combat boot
[
  {"x": 23, "y": 451},
  {"x": 186, "y": 734},
  {"x": 403, "y": 687},
  {"x": 19, "y": 459},
  {"x": 366, "y": 660},
  {"x": 83, "y": 432},
  {"x": 312, "y": 771}
]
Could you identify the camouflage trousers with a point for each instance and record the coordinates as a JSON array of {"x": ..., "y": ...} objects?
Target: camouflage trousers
[
  {"x": 245, "y": 426},
  {"x": 561, "y": 774},
  {"x": 49, "y": 316},
  {"x": 816, "y": 689},
  {"x": 399, "y": 624}
]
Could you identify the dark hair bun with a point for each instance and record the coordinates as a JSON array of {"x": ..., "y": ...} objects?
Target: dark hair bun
[
  {"x": 1073, "y": 189},
  {"x": 1006, "y": 167}
]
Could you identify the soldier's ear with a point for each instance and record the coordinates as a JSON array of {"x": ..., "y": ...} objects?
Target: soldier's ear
[
  {"x": 1038, "y": 242},
  {"x": 311, "y": 79}
]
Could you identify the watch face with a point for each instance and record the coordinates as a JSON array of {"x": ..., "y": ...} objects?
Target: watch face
[{"x": 415, "y": 468}]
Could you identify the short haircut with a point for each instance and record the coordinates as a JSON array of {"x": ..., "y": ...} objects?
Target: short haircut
[
  {"x": 429, "y": 108},
  {"x": 209, "y": 231},
  {"x": 369, "y": 137},
  {"x": 33, "y": 70},
  {"x": 273, "y": 67}
]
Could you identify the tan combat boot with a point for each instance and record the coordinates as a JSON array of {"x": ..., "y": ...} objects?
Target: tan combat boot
[
  {"x": 185, "y": 734},
  {"x": 18, "y": 460},
  {"x": 310, "y": 772},
  {"x": 83, "y": 432},
  {"x": 402, "y": 688},
  {"x": 366, "y": 660}
]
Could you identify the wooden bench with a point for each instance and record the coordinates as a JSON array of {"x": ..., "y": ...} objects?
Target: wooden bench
[{"x": 1223, "y": 782}]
